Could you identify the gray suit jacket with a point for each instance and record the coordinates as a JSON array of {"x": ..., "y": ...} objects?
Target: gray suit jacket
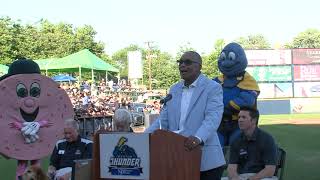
[{"x": 202, "y": 120}]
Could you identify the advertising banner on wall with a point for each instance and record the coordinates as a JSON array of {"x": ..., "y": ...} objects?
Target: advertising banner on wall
[
  {"x": 305, "y": 105},
  {"x": 305, "y": 56},
  {"x": 270, "y": 73},
  {"x": 275, "y": 90},
  {"x": 307, "y": 72},
  {"x": 307, "y": 89},
  {"x": 268, "y": 57}
]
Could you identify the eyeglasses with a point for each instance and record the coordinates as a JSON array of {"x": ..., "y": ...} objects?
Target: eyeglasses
[{"x": 187, "y": 62}]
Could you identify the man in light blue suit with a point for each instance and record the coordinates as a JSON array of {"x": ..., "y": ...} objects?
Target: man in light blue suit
[{"x": 195, "y": 112}]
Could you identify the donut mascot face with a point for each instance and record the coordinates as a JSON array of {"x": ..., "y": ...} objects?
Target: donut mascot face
[{"x": 33, "y": 110}]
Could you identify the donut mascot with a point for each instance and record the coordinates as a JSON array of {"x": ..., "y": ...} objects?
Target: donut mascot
[
  {"x": 33, "y": 110},
  {"x": 239, "y": 89}
]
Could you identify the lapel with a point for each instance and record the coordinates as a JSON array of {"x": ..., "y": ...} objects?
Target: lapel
[{"x": 196, "y": 94}]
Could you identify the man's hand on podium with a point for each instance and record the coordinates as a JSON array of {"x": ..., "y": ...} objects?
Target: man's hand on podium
[{"x": 191, "y": 143}]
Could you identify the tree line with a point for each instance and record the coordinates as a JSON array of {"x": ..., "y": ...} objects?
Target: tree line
[{"x": 49, "y": 40}]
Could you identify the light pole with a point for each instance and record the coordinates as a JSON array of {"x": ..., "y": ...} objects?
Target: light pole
[{"x": 149, "y": 56}]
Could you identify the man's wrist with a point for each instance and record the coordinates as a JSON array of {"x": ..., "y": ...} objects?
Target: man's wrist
[{"x": 200, "y": 140}]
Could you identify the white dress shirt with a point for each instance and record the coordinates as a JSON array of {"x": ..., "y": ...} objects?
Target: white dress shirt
[{"x": 185, "y": 102}]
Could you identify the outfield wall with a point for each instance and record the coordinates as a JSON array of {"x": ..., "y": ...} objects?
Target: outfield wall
[{"x": 289, "y": 106}]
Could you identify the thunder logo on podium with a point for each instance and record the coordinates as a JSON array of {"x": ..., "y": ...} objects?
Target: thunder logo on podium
[{"x": 124, "y": 160}]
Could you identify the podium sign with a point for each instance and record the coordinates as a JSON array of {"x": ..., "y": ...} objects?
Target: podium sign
[
  {"x": 157, "y": 156},
  {"x": 124, "y": 156}
]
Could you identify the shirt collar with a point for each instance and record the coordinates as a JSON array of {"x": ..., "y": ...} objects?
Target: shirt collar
[
  {"x": 194, "y": 84},
  {"x": 253, "y": 137}
]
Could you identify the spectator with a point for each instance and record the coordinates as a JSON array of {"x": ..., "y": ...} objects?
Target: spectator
[
  {"x": 110, "y": 85},
  {"x": 86, "y": 86},
  {"x": 104, "y": 103},
  {"x": 121, "y": 120},
  {"x": 71, "y": 148},
  {"x": 85, "y": 100}
]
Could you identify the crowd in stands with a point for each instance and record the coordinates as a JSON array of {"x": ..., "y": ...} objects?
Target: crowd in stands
[{"x": 102, "y": 99}]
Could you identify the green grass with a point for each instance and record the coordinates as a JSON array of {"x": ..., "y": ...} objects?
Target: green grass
[
  {"x": 299, "y": 141},
  {"x": 302, "y": 146},
  {"x": 8, "y": 166}
]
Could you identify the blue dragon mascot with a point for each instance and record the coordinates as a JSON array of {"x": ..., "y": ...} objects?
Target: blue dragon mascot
[{"x": 239, "y": 89}]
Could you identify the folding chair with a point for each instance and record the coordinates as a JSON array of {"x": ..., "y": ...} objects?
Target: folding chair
[
  {"x": 226, "y": 153},
  {"x": 281, "y": 163}
]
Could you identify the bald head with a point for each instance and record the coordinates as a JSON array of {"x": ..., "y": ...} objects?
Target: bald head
[
  {"x": 193, "y": 56},
  {"x": 190, "y": 65}
]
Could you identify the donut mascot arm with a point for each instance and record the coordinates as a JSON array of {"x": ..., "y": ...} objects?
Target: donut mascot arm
[{"x": 29, "y": 130}]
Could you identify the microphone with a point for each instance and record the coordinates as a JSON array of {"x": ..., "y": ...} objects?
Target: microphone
[{"x": 166, "y": 99}]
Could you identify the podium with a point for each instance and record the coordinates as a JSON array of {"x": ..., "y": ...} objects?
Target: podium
[{"x": 157, "y": 156}]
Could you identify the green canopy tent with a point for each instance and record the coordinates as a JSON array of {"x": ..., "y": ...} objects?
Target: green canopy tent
[
  {"x": 45, "y": 63},
  {"x": 83, "y": 60},
  {"x": 3, "y": 69}
]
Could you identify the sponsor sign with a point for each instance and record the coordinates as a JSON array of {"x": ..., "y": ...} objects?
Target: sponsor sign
[
  {"x": 305, "y": 56},
  {"x": 275, "y": 90},
  {"x": 306, "y": 72},
  {"x": 270, "y": 73},
  {"x": 124, "y": 156},
  {"x": 305, "y": 105},
  {"x": 307, "y": 89},
  {"x": 268, "y": 57}
]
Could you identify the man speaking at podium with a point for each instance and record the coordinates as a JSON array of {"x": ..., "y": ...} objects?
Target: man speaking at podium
[{"x": 195, "y": 111}]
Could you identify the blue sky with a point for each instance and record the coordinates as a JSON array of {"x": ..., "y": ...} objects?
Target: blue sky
[{"x": 171, "y": 23}]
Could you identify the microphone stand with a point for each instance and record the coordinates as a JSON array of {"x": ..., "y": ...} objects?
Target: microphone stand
[
  {"x": 164, "y": 104},
  {"x": 165, "y": 100}
]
